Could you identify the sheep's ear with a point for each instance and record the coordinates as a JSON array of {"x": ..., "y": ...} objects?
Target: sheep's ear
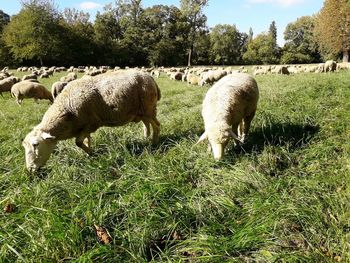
[
  {"x": 47, "y": 136},
  {"x": 203, "y": 137},
  {"x": 34, "y": 142}
]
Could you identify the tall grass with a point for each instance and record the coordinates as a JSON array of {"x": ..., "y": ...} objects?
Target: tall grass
[{"x": 282, "y": 197}]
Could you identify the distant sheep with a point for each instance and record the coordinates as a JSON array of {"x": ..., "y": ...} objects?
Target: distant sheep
[
  {"x": 111, "y": 99},
  {"x": 31, "y": 76},
  {"x": 330, "y": 66},
  {"x": 29, "y": 89},
  {"x": 192, "y": 79},
  {"x": 6, "y": 84},
  {"x": 57, "y": 88},
  {"x": 70, "y": 77},
  {"x": 228, "y": 109},
  {"x": 211, "y": 76}
]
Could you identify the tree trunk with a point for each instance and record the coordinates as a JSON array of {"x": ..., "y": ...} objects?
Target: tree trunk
[
  {"x": 346, "y": 56},
  {"x": 189, "y": 56},
  {"x": 41, "y": 61}
]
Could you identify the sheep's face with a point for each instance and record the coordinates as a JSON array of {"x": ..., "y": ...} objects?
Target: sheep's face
[
  {"x": 38, "y": 147},
  {"x": 218, "y": 140}
]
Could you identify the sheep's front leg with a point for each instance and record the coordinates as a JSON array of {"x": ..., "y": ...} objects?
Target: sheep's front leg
[{"x": 84, "y": 142}]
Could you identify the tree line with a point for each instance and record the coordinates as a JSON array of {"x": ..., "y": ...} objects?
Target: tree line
[{"x": 127, "y": 34}]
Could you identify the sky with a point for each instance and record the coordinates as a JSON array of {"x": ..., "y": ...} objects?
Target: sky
[{"x": 257, "y": 14}]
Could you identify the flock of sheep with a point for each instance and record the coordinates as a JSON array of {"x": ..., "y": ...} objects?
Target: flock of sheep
[{"x": 115, "y": 97}]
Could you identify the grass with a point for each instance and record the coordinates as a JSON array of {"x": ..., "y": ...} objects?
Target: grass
[{"x": 282, "y": 197}]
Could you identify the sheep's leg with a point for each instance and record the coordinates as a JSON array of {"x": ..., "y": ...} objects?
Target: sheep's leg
[
  {"x": 83, "y": 141},
  {"x": 246, "y": 126},
  {"x": 235, "y": 131},
  {"x": 146, "y": 128},
  {"x": 156, "y": 130},
  {"x": 36, "y": 100}
]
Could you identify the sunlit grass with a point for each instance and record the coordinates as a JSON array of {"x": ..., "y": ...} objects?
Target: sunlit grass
[{"x": 282, "y": 197}]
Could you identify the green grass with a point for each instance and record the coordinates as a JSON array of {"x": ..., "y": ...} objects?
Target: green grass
[{"x": 282, "y": 197}]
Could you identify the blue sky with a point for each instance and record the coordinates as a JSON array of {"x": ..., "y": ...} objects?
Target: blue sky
[{"x": 257, "y": 14}]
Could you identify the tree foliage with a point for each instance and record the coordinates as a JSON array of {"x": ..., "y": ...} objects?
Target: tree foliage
[
  {"x": 192, "y": 10},
  {"x": 261, "y": 50},
  {"x": 127, "y": 34},
  {"x": 332, "y": 27},
  {"x": 226, "y": 44},
  {"x": 301, "y": 45},
  {"x": 34, "y": 33}
]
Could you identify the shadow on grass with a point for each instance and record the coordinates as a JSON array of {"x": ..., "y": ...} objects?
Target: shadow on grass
[
  {"x": 295, "y": 136},
  {"x": 166, "y": 142}
]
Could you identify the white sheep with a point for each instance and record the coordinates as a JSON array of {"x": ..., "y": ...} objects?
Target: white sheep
[
  {"x": 57, "y": 88},
  {"x": 192, "y": 79},
  {"x": 228, "y": 109},
  {"x": 30, "y": 89},
  {"x": 6, "y": 84},
  {"x": 70, "y": 77},
  {"x": 111, "y": 99},
  {"x": 211, "y": 76},
  {"x": 330, "y": 66}
]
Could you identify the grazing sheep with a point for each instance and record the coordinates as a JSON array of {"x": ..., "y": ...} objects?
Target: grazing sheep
[
  {"x": 175, "y": 75},
  {"x": 211, "y": 76},
  {"x": 330, "y": 66},
  {"x": 192, "y": 79},
  {"x": 228, "y": 109},
  {"x": 112, "y": 99},
  {"x": 70, "y": 77},
  {"x": 6, "y": 84},
  {"x": 29, "y": 89},
  {"x": 57, "y": 88},
  {"x": 31, "y": 76}
]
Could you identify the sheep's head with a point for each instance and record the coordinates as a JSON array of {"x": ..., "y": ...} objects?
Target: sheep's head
[
  {"x": 38, "y": 147},
  {"x": 218, "y": 139}
]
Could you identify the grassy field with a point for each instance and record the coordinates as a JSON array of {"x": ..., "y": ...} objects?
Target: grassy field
[{"x": 282, "y": 197}]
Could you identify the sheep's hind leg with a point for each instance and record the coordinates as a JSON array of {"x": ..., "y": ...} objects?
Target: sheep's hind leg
[
  {"x": 236, "y": 130},
  {"x": 146, "y": 128},
  {"x": 246, "y": 126},
  {"x": 156, "y": 130},
  {"x": 83, "y": 141}
]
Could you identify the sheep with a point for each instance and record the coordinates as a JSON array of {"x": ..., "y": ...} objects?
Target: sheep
[
  {"x": 175, "y": 75},
  {"x": 111, "y": 99},
  {"x": 228, "y": 109},
  {"x": 281, "y": 70},
  {"x": 31, "y": 76},
  {"x": 6, "y": 84},
  {"x": 29, "y": 89},
  {"x": 211, "y": 76},
  {"x": 70, "y": 77},
  {"x": 57, "y": 88},
  {"x": 192, "y": 79},
  {"x": 330, "y": 66}
]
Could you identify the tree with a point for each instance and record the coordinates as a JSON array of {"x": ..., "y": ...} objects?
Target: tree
[
  {"x": 5, "y": 58},
  {"x": 301, "y": 45},
  {"x": 34, "y": 33},
  {"x": 332, "y": 27},
  {"x": 273, "y": 31},
  {"x": 161, "y": 26},
  {"x": 250, "y": 35},
  {"x": 192, "y": 10},
  {"x": 226, "y": 44},
  {"x": 4, "y": 20},
  {"x": 77, "y": 36},
  {"x": 261, "y": 50}
]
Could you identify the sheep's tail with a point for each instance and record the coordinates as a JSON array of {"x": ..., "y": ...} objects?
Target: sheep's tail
[{"x": 158, "y": 93}]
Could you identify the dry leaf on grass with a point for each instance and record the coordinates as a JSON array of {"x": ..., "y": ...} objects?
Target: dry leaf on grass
[
  {"x": 9, "y": 208},
  {"x": 102, "y": 234}
]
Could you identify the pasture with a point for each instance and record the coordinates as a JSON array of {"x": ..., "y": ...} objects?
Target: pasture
[{"x": 282, "y": 197}]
